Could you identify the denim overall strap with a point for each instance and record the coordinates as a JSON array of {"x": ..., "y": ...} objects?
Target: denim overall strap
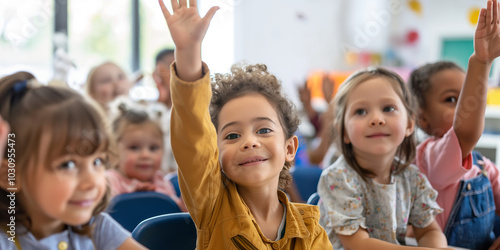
[{"x": 470, "y": 224}]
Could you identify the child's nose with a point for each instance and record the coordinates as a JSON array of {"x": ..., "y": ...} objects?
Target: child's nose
[
  {"x": 250, "y": 141},
  {"x": 145, "y": 152},
  {"x": 377, "y": 119},
  {"x": 89, "y": 177}
]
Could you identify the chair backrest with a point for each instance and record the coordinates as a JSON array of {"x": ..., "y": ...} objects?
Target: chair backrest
[
  {"x": 496, "y": 227},
  {"x": 175, "y": 182},
  {"x": 313, "y": 199},
  {"x": 168, "y": 231},
  {"x": 306, "y": 179},
  {"x": 132, "y": 208}
]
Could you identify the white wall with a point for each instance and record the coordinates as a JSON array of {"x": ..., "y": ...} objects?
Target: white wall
[
  {"x": 294, "y": 37},
  {"x": 291, "y": 37}
]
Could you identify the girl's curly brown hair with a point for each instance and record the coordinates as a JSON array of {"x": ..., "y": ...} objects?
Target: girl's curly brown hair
[{"x": 255, "y": 79}]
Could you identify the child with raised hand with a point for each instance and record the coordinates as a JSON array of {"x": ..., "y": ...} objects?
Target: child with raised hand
[
  {"x": 59, "y": 152},
  {"x": 233, "y": 159},
  {"x": 370, "y": 194},
  {"x": 139, "y": 141},
  {"x": 451, "y": 108}
]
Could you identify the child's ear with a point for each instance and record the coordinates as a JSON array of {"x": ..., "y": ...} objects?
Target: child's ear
[
  {"x": 411, "y": 126},
  {"x": 346, "y": 139},
  {"x": 422, "y": 120},
  {"x": 292, "y": 145},
  {"x": 6, "y": 184}
]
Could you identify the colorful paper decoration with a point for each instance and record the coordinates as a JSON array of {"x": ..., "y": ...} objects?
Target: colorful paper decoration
[
  {"x": 473, "y": 15},
  {"x": 415, "y": 6},
  {"x": 412, "y": 37}
]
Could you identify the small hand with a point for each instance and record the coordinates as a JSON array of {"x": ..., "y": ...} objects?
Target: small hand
[
  {"x": 328, "y": 87},
  {"x": 4, "y": 131},
  {"x": 145, "y": 186},
  {"x": 487, "y": 36},
  {"x": 304, "y": 94},
  {"x": 185, "y": 24}
]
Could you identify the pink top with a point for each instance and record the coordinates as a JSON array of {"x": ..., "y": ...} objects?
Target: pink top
[
  {"x": 440, "y": 159},
  {"x": 121, "y": 184}
]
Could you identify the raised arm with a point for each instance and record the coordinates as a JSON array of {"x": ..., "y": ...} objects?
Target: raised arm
[
  {"x": 469, "y": 115},
  {"x": 188, "y": 30}
]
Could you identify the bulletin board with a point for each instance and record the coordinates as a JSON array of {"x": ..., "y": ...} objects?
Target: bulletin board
[{"x": 458, "y": 50}]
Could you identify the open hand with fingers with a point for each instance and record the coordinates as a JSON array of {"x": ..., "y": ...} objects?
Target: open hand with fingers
[
  {"x": 187, "y": 29},
  {"x": 185, "y": 24},
  {"x": 487, "y": 36}
]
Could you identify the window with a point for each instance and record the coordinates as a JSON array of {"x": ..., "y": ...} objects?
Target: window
[
  {"x": 26, "y": 29},
  {"x": 99, "y": 31}
]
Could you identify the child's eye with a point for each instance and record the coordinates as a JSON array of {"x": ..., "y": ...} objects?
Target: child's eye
[
  {"x": 360, "y": 112},
  {"x": 451, "y": 99},
  {"x": 232, "y": 136},
  {"x": 133, "y": 147},
  {"x": 99, "y": 162},
  {"x": 68, "y": 165},
  {"x": 154, "y": 148},
  {"x": 264, "y": 131},
  {"x": 389, "y": 109}
]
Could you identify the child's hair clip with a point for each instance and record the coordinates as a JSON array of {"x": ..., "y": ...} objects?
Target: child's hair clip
[{"x": 20, "y": 86}]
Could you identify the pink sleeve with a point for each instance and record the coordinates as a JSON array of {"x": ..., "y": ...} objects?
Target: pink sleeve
[
  {"x": 494, "y": 176},
  {"x": 115, "y": 180},
  {"x": 440, "y": 159}
]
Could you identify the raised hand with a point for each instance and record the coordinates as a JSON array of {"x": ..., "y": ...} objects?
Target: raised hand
[
  {"x": 185, "y": 24},
  {"x": 487, "y": 37},
  {"x": 187, "y": 29}
]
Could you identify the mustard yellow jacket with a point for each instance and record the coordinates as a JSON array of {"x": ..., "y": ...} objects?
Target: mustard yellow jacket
[{"x": 222, "y": 219}]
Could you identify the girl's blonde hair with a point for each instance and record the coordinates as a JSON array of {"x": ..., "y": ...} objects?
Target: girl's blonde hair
[
  {"x": 406, "y": 150},
  {"x": 75, "y": 126}
]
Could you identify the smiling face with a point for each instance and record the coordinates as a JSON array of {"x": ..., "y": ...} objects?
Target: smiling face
[
  {"x": 440, "y": 102},
  {"x": 68, "y": 191},
  {"x": 140, "y": 151},
  {"x": 376, "y": 120},
  {"x": 252, "y": 145}
]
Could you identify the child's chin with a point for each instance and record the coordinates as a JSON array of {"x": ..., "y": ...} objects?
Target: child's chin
[{"x": 79, "y": 220}]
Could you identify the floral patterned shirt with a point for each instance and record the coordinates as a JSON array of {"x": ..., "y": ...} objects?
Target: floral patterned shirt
[{"x": 384, "y": 210}]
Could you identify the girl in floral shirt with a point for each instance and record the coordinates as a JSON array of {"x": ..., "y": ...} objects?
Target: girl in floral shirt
[{"x": 371, "y": 193}]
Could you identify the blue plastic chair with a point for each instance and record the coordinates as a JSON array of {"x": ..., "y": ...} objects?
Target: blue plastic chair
[
  {"x": 306, "y": 180},
  {"x": 168, "y": 231},
  {"x": 313, "y": 199},
  {"x": 132, "y": 208},
  {"x": 175, "y": 182}
]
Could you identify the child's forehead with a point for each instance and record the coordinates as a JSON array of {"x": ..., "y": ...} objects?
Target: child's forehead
[
  {"x": 248, "y": 108},
  {"x": 146, "y": 127},
  {"x": 252, "y": 103},
  {"x": 375, "y": 83},
  {"x": 142, "y": 133},
  {"x": 447, "y": 77}
]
